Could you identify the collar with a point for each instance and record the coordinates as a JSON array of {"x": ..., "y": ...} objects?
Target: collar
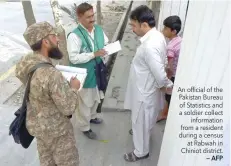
[
  {"x": 86, "y": 28},
  {"x": 46, "y": 59},
  {"x": 176, "y": 37},
  {"x": 43, "y": 58},
  {"x": 149, "y": 33}
]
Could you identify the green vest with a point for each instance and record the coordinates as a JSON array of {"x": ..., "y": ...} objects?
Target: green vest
[{"x": 90, "y": 81}]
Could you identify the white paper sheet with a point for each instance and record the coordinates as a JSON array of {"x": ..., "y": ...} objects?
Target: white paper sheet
[
  {"x": 69, "y": 72},
  {"x": 113, "y": 47}
]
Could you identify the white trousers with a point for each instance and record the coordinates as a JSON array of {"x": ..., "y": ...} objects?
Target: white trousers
[
  {"x": 85, "y": 114},
  {"x": 88, "y": 102},
  {"x": 142, "y": 127}
]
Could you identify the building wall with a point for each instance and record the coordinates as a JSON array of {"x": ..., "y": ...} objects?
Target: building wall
[
  {"x": 155, "y": 6},
  {"x": 172, "y": 7},
  {"x": 204, "y": 62}
]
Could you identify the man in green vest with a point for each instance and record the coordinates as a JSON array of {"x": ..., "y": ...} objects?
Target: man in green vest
[{"x": 85, "y": 48}]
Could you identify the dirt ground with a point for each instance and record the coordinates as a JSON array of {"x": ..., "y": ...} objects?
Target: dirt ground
[{"x": 111, "y": 13}]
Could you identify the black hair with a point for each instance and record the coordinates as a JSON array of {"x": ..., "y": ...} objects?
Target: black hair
[
  {"x": 83, "y": 7},
  {"x": 37, "y": 46},
  {"x": 143, "y": 14},
  {"x": 173, "y": 22}
]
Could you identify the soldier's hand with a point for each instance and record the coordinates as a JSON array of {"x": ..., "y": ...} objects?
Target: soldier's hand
[
  {"x": 101, "y": 52},
  {"x": 75, "y": 83}
]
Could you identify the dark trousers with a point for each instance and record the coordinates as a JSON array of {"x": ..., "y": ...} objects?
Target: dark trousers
[{"x": 167, "y": 96}]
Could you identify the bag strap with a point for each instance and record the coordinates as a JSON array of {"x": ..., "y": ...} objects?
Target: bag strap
[
  {"x": 30, "y": 74},
  {"x": 88, "y": 43}
]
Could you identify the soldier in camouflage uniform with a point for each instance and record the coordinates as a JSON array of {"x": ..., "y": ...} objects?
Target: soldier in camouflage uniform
[{"x": 51, "y": 99}]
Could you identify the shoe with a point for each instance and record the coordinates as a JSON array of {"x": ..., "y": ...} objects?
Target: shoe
[
  {"x": 90, "y": 134},
  {"x": 131, "y": 132},
  {"x": 131, "y": 157},
  {"x": 96, "y": 121}
]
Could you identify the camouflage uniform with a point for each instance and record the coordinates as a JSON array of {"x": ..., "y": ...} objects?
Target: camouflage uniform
[{"x": 51, "y": 101}]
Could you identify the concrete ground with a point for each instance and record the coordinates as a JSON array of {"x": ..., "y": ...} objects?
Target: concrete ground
[
  {"x": 113, "y": 137},
  {"x": 114, "y": 96},
  {"x": 113, "y": 141}
]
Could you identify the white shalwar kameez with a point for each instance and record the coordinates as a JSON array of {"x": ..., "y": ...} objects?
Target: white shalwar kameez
[
  {"x": 143, "y": 95},
  {"x": 89, "y": 97}
]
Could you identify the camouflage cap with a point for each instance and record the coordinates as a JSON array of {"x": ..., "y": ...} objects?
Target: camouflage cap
[{"x": 37, "y": 32}]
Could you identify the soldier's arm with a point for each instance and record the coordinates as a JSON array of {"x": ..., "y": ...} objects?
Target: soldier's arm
[{"x": 64, "y": 97}]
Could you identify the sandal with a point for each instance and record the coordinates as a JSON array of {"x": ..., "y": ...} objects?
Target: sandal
[
  {"x": 131, "y": 132},
  {"x": 131, "y": 157}
]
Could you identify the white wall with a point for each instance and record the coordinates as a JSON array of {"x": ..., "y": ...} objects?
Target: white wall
[
  {"x": 204, "y": 61},
  {"x": 172, "y": 7}
]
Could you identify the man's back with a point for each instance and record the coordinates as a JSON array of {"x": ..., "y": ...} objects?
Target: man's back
[{"x": 152, "y": 48}]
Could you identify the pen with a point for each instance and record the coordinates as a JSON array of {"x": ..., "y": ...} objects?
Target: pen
[{"x": 74, "y": 76}]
